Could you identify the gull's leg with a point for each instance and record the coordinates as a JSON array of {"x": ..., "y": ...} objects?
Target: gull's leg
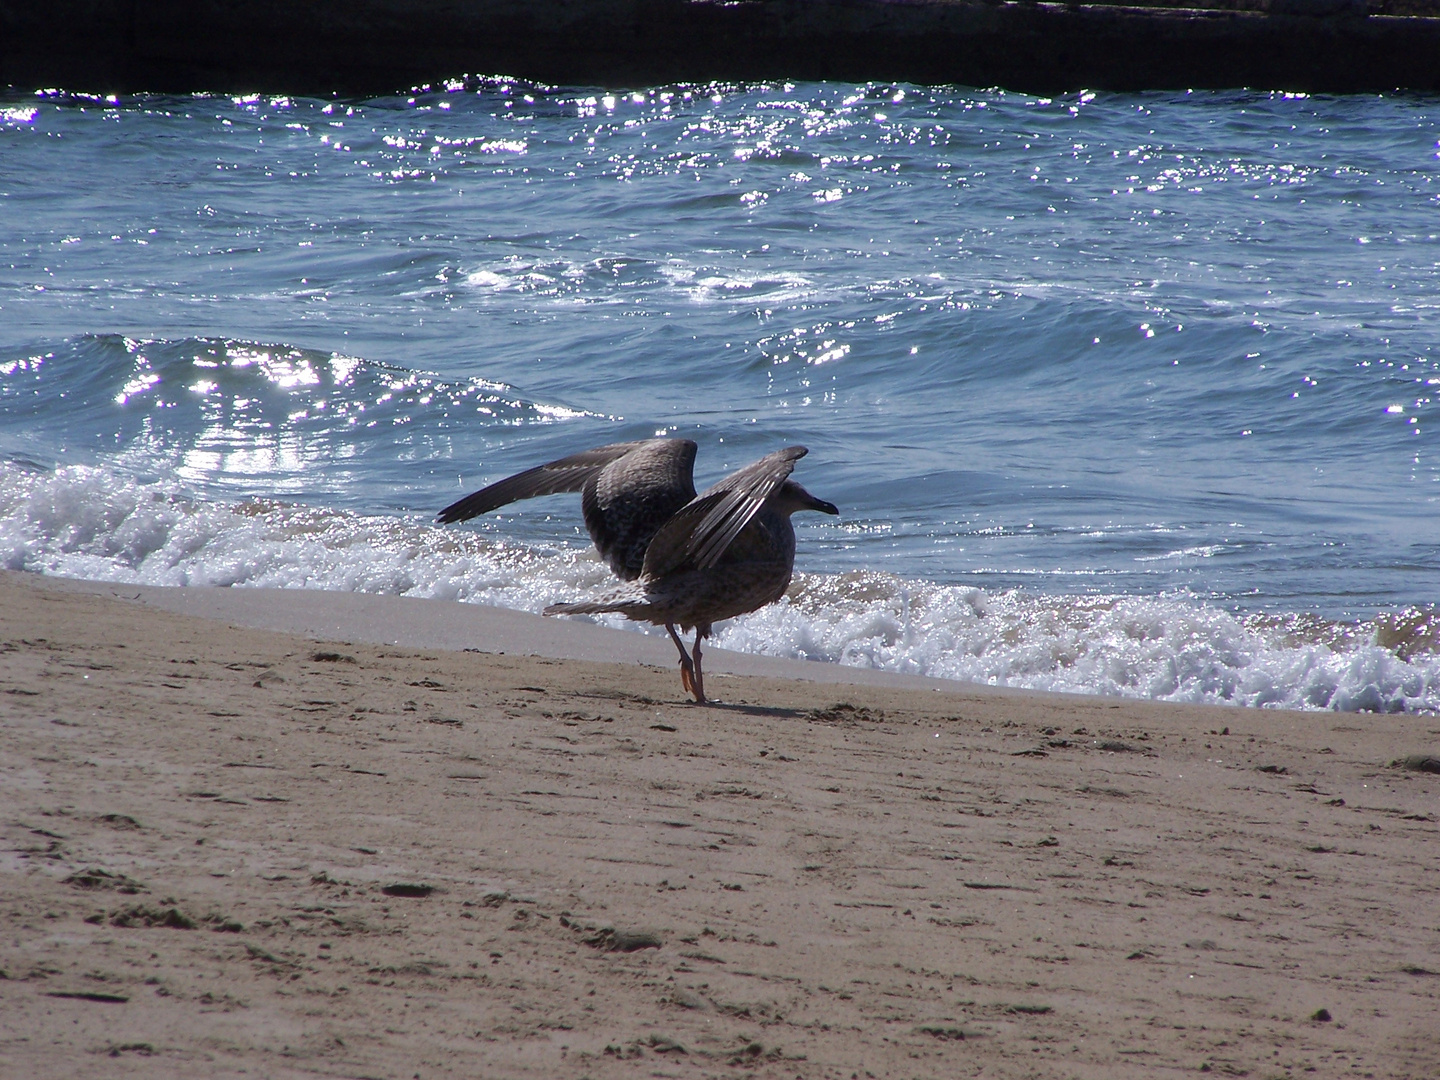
[
  {"x": 687, "y": 668},
  {"x": 699, "y": 675}
]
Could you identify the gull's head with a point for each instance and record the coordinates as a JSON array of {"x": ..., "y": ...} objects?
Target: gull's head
[{"x": 790, "y": 497}]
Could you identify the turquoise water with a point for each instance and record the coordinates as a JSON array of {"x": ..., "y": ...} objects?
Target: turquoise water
[{"x": 1120, "y": 393}]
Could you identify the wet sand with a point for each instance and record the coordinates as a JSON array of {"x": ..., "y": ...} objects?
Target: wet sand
[{"x": 233, "y": 851}]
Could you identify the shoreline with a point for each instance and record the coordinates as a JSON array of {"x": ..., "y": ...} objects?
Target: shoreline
[
  {"x": 388, "y": 46},
  {"x": 456, "y": 627},
  {"x": 452, "y": 625},
  {"x": 228, "y": 850}
]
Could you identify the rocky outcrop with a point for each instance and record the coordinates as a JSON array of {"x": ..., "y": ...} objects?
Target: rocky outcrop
[{"x": 379, "y": 46}]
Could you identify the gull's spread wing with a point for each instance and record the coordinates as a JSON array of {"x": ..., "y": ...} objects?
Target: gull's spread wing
[
  {"x": 699, "y": 533},
  {"x": 567, "y": 474}
]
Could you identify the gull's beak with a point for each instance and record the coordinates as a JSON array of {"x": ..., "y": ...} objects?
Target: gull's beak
[{"x": 823, "y": 506}]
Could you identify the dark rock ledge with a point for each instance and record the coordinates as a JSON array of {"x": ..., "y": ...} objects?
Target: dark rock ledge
[{"x": 369, "y": 47}]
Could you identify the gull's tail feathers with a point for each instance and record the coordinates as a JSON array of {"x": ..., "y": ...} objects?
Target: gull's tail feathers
[{"x": 633, "y": 605}]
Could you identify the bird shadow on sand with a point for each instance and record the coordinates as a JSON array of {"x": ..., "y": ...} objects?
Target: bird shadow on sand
[{"x": 750, "y": 710}]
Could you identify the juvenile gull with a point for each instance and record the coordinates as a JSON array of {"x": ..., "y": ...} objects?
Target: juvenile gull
[{"x": 689, "y": 560}]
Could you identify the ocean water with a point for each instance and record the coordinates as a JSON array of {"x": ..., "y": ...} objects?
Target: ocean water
[{"x": 1126, "y": 394}]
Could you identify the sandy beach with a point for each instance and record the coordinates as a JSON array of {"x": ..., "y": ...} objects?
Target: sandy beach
[{"x": 350, "y": 850}]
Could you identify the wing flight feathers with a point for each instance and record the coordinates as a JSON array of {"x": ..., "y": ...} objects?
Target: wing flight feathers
[
  {"x": 567, "y": 474},
  {"x": 699, "y": 534}
]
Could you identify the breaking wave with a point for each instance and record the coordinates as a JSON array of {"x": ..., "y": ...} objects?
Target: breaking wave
[{"x": 102, "y": 522}]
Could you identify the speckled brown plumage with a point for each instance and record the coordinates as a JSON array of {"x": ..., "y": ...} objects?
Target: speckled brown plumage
[
  {"x": 627, "y": 492},
  {"x": 691, "y": 560}
]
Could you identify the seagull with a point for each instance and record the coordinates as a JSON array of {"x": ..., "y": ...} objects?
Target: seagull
[{"x": 687, "y": 560}]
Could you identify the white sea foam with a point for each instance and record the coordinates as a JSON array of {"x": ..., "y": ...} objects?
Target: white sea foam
[
  {"x": 1164, "y": 648},
  {"x": 96, "y": 523},
  {"x": 101, "y": 523}
]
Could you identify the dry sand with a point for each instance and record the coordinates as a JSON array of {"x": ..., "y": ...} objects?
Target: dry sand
[{"x": 239, "y": 852}]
